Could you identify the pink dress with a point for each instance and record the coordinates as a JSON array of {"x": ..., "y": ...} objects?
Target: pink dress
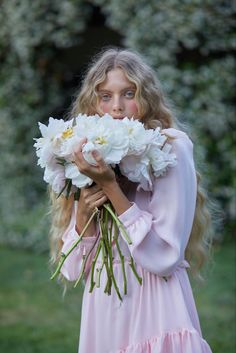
[{"x": 159, "y": 316}]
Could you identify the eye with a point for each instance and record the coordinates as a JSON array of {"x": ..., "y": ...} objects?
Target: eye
[
  {"x": 129, "y": 94},
  {"x": 105, "y": 97}
]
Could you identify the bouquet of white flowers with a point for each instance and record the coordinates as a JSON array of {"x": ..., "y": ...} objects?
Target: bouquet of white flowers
[{"x": 140, "y": 154}]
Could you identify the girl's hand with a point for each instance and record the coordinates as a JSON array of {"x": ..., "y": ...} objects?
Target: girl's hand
[
  {"x": 101, "y": 174},
  {"x": 105, "y": 178},
  {"x": 90, "y": 198}
]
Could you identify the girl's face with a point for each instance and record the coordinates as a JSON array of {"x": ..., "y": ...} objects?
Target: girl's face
[{"x": 117, "y": 96}]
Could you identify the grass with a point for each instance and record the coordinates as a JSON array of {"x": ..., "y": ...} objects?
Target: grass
[
  {"x": 216, "y": 301},
  {"x": 34, "y": 317}
]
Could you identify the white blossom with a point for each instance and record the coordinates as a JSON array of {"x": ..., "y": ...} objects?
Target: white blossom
[
  {"x": 109, "y": 138},
  {"x": 137, "y": 169},
  {"x": 78, "y": 179},
  {"x": 55, "y": 177},
  {"x": 139, "y": 138},
  {"x": 140, "y": 153},
  {"x": 52, "y": 137},
  {"x": 161, "y": 159}
]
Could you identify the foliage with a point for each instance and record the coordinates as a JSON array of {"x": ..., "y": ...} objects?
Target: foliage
[
  {"x": 32, "y": 87},
  {"x": 191, "y": 44}
]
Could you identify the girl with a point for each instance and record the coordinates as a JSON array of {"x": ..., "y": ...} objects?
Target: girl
[{"x": 166, "y": 226}]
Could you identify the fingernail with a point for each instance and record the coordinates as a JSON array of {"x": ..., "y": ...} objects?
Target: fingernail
[{"x": 95, "y": 153}]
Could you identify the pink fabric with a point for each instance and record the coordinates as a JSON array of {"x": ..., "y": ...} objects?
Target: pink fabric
[
  {"x": 159, "y": 316},
  {"x": 170, "y": 342}
]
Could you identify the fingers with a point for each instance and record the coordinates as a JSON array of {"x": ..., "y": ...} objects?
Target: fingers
[
  {"x": 78, "y": 149},
  {"x": 101, "y": 173},
  {"x": 91, "y": 203},
  {"x": 98, "y": 158},
  {"x": 79, "y": 160},
  {"x": 79, "y": 154},
  {"x": 99, "y": 202},
  {"x": 85, "y": 167},
  {"x": 92, "y": 198},
  {"x": 90, "y": 190},
  {"x": 80, "y": 145}
]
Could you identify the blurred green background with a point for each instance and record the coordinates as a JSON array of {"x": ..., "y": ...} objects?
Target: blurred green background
[{"x": 44, "y": 49}]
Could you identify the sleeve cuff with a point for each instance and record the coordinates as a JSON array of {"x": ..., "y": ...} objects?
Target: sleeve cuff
[{"x": 130, "y": 215}]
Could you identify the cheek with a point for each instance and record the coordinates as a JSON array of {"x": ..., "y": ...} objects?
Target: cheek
[
  {"x": 133, "y": 107},
  {"x": 104, "y": 107}
]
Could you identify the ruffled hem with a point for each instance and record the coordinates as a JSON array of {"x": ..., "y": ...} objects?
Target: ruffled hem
[{"x": 184, "y": 341}]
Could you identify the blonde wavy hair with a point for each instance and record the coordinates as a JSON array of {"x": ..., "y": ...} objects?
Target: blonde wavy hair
[{"x": 154, "y": 110}]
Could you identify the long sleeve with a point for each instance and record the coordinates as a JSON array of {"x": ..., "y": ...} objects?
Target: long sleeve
[
  {"x": 73, "y": 264},
  {"x": 160, "y": 229}
]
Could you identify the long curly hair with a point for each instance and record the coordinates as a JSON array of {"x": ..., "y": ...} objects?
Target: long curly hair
[{"x": 154, "y": 110}]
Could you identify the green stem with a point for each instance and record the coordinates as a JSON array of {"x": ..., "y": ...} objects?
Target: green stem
[
  {"x": 68, "y": 189},
  {"x": 112, "y": 272},
  {"x": 134, "y": 270},
  {"x": 119, "y": 223},
  {"x": 122, "y": 259},
  {"x": 65, "y": 255},
  {"x": 84, "y": 264},
  {"x": 110, "y": 232},
  {"x": 67, "y": 183},
  {"x": 98, "y": 276},
  {"x": 82, "y": 271},
  {"x": 108, "y": 250},
  {"x": 104, "y": 257},
  {"x": 105, "y": 261},
  {"x": 92, "y": 283}
]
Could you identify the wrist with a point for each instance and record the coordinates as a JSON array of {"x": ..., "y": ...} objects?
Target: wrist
[
  {"x": 110, "y": 187},
  {"x": 116, "y": 196}
]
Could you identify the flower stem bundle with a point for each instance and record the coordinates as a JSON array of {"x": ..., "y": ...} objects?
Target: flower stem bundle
[
  {"x": 109, "y": 228},
  {"x": 64, "y": 256}
]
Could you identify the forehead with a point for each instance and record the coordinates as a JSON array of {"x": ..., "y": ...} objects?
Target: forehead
[{"x": 116, "y": 78}]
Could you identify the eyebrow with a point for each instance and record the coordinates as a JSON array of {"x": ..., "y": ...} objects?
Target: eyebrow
[{"x": 124, "y": 89}]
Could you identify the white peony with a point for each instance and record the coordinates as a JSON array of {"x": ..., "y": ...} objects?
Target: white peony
[
  {"x": 158, "y": 139},
  {"x": 161, "y": 159},
  {"x": 153, "y": 161},
  {"x": 109, "y": 138},
  {"x": 56, "y": 178},
  {"x": 78, "y": 179},
  {"x": 70, "y": 138},
  {"x": 140, "y": 153},
  {"x": 137, "y": 169},
  {"x": 49, "y": 144},
  {"x": 139, "y": 137}
]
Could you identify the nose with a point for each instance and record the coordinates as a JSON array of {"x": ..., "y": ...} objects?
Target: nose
[{"x": 117, "y": 106}]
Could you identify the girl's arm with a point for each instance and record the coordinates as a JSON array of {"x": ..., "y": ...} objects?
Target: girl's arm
[{"x": 160, "y": 230}]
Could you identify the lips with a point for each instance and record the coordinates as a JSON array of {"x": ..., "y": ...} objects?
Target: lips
[{"x": 118, "y": 117}]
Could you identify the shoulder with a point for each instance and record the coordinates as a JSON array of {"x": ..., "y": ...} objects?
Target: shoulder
[
  {"x": 182, "y": 146},
  {"x": 174, "y": 133},
  {"x": 178, "y": 138}
]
